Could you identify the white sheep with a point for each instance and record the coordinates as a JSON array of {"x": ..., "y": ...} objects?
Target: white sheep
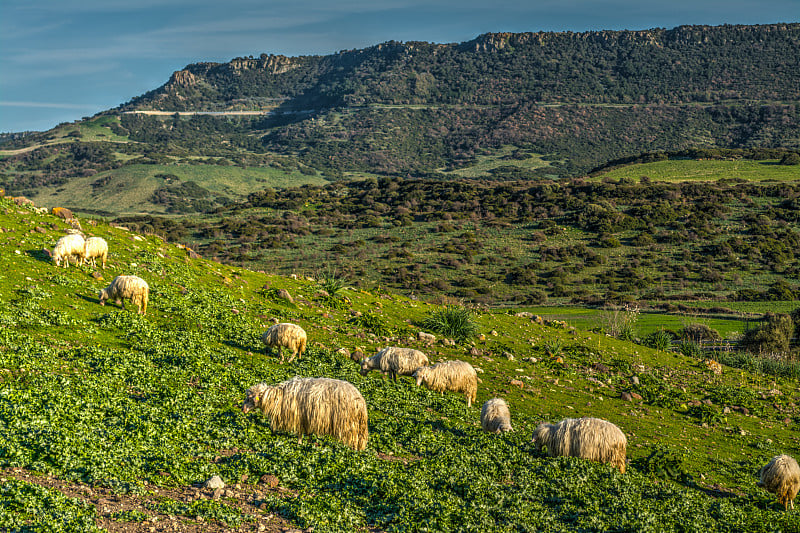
[
  {"x": 395, "y": 361},
  {"x": 320, "y": 406},
  {"x": 66, "y": 247},
  {"x": 95, "y": 247},
  {"x": 132, "y": 287},
  {"x": 286, "y": 335},
  {"x": 495, "y": 416},
  {"x": 590, "y": 438},
  {"x": 453, "y": 376},
  {"x": 781, "y": 476}
]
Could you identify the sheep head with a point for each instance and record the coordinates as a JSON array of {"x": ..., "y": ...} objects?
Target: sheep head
[{"x": 254, "y": 397}]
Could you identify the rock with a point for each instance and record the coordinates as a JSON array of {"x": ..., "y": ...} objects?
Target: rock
[
  {"x": 509, "y": 356},
  {"x": 63, "y": 213},
  {"x": 427, "y": 338},
  {"x": 524, "y": 314},
  {"x": 635, "y": 380},
  {"x": 626, "y": 397},
  {"x": 343, "y": 351},
  {"x": 218, "y": 493},
  {"x": 600, "y": 367},
  {"x": 192, "y": 254},
  {"x": 284, "y": 295},
  {"x": 726, "y": 410},
  {"x": 215, "y": 482},
  {"x": 517, "y": 383},
  {"x": 636, "y": 396},
  {"x": 323, "y": 293},
  {"x": 493, "y": 333},
  {"x": 269, "y": 480}
]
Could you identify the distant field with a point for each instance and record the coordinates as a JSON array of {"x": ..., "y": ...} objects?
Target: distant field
[
  {"x": 130, "y": 188},
  {"x": 710, "y": 170},
  {"x": 500, "y": 158},
  {"x": 648, "y": 322}
]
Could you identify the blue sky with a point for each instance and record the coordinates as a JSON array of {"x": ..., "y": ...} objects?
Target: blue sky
[{"x": 61, "y": 60}]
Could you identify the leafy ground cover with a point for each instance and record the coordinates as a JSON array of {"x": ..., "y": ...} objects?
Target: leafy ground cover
[{"x": 141, "y": 410}]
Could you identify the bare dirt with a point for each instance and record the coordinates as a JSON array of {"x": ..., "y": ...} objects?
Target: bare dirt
[{"x": 246, "y": 497}]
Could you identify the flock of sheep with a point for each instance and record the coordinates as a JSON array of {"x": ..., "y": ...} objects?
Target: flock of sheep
[{"x": 325, "y": 406}]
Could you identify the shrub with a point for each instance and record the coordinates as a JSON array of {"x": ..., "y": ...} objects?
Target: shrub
[
  {"x": 659, "y": 340},
  {"x": 451, "y": 321},
  {"x": 772, "y": 336},
  {"x": 699, "y": 332},
  {"x": 690, "y": 349}
]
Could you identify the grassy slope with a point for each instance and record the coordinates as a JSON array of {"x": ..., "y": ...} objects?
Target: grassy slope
[
  {"x": 106, "y": 397},
  {"x": 131, "y": 187},
  {"x": 708, "y": 170}
]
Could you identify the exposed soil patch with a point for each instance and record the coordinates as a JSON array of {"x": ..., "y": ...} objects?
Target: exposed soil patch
[{"x": 245, "y": 497}]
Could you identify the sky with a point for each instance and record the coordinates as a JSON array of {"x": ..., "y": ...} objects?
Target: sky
[{"x": 61, "y": 60}]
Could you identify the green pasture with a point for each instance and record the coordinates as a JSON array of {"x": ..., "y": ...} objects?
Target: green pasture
[
  {"x": 501, "y": 157},
  {"x": 104, "y": 397},
  {"x": 131, "y": 187},
  {"x": 705, "y": 170}
]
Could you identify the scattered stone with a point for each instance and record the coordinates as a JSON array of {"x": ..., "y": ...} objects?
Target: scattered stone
[
  {"x": 218, "y": 493},
  {"x": 517, "y": 383},
  {"x": 356, "y": 313},
  {"x": 509, "y": 356},
  {"x": 215, "y": 482},
  {"x": 524, "y": 314},
  {"x": 636, "y": 396},
  {"x": 427, "y": 338},
  {"x": 493, "y": 333},
  {"x": 600, "y": 367},
  {"x": 530, "y": 359},
  {"x": 284, "y": 295},
  {"x": 626, "y": 397},
  {"x": 726, "y": 410},
  {"x": 475, "y": 352},
  {"x": 269, "y": 480},
  {"x": 343, "y": 351},
  {"x": 635, "y": 380},
  {"x": 787, "y": 421}
]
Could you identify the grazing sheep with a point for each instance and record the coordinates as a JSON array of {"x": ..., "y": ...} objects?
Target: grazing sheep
[
  {"x": 495, "y": 416},
  {"x": 67, "y": 246},
  {"x": 132, "y": 287},
  {"x": 320, "y": 406},
  {"x": 454, "y": 376},
  {"x": 781, "y": 476},
  {"x": 286, "y": 335},
  {"x": 394, "y": 361},
  {"x": 93, "y": 248},
  {"x": 589, "y": 438}
]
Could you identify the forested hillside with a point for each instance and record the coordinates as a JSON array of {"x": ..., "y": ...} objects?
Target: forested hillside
[{"x": 533, "y": 105}]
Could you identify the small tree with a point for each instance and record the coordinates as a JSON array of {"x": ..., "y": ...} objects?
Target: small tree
[{"x": 772, "y": 336}]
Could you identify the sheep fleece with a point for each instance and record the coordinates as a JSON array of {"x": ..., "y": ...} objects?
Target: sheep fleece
[
  {"x": 395, "y": 361},
  {"x": 453, "y": 376},
  {"x": 132, "y": 287},
  {"x": 67, "y": 246},
  {"x": 320, "y": 406},
  {"x": 495, "y": 416},
  {"x": 96, "y": 247},
  {"x": 781, "y": 476},
  {"x": 590, "y": 438},
  {"x": 286, "y": 335}
]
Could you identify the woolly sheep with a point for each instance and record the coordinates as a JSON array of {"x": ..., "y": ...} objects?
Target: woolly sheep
[
  {"x": 67, "y": 246},
  {"x": 320, "y": 406},
  {"x": 95, "y": 247},
  {"x": 453, "y": 376},
  {"x": 495, "y": 416},
  {"x": 132, "y": 287},
  {"x": 781, "y": 476},
  {"x": 589, "y": 438},
  {"x": 286, "y": 335},
  {"x": 394, "y": 361}
]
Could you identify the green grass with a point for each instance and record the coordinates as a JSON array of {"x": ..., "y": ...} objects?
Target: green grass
[
  {"x": 484, "y": 164},
  {"x": 131, "y": 187},
  {"x": 709, "y": 170},
  {"x": 102, "y": 396}
]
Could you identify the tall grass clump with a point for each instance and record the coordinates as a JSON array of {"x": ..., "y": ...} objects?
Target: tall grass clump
[
  {"x": 659, "y": 340},
  {"x": 451, "y": 321},
  {"x": 331, "y": 283}
]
